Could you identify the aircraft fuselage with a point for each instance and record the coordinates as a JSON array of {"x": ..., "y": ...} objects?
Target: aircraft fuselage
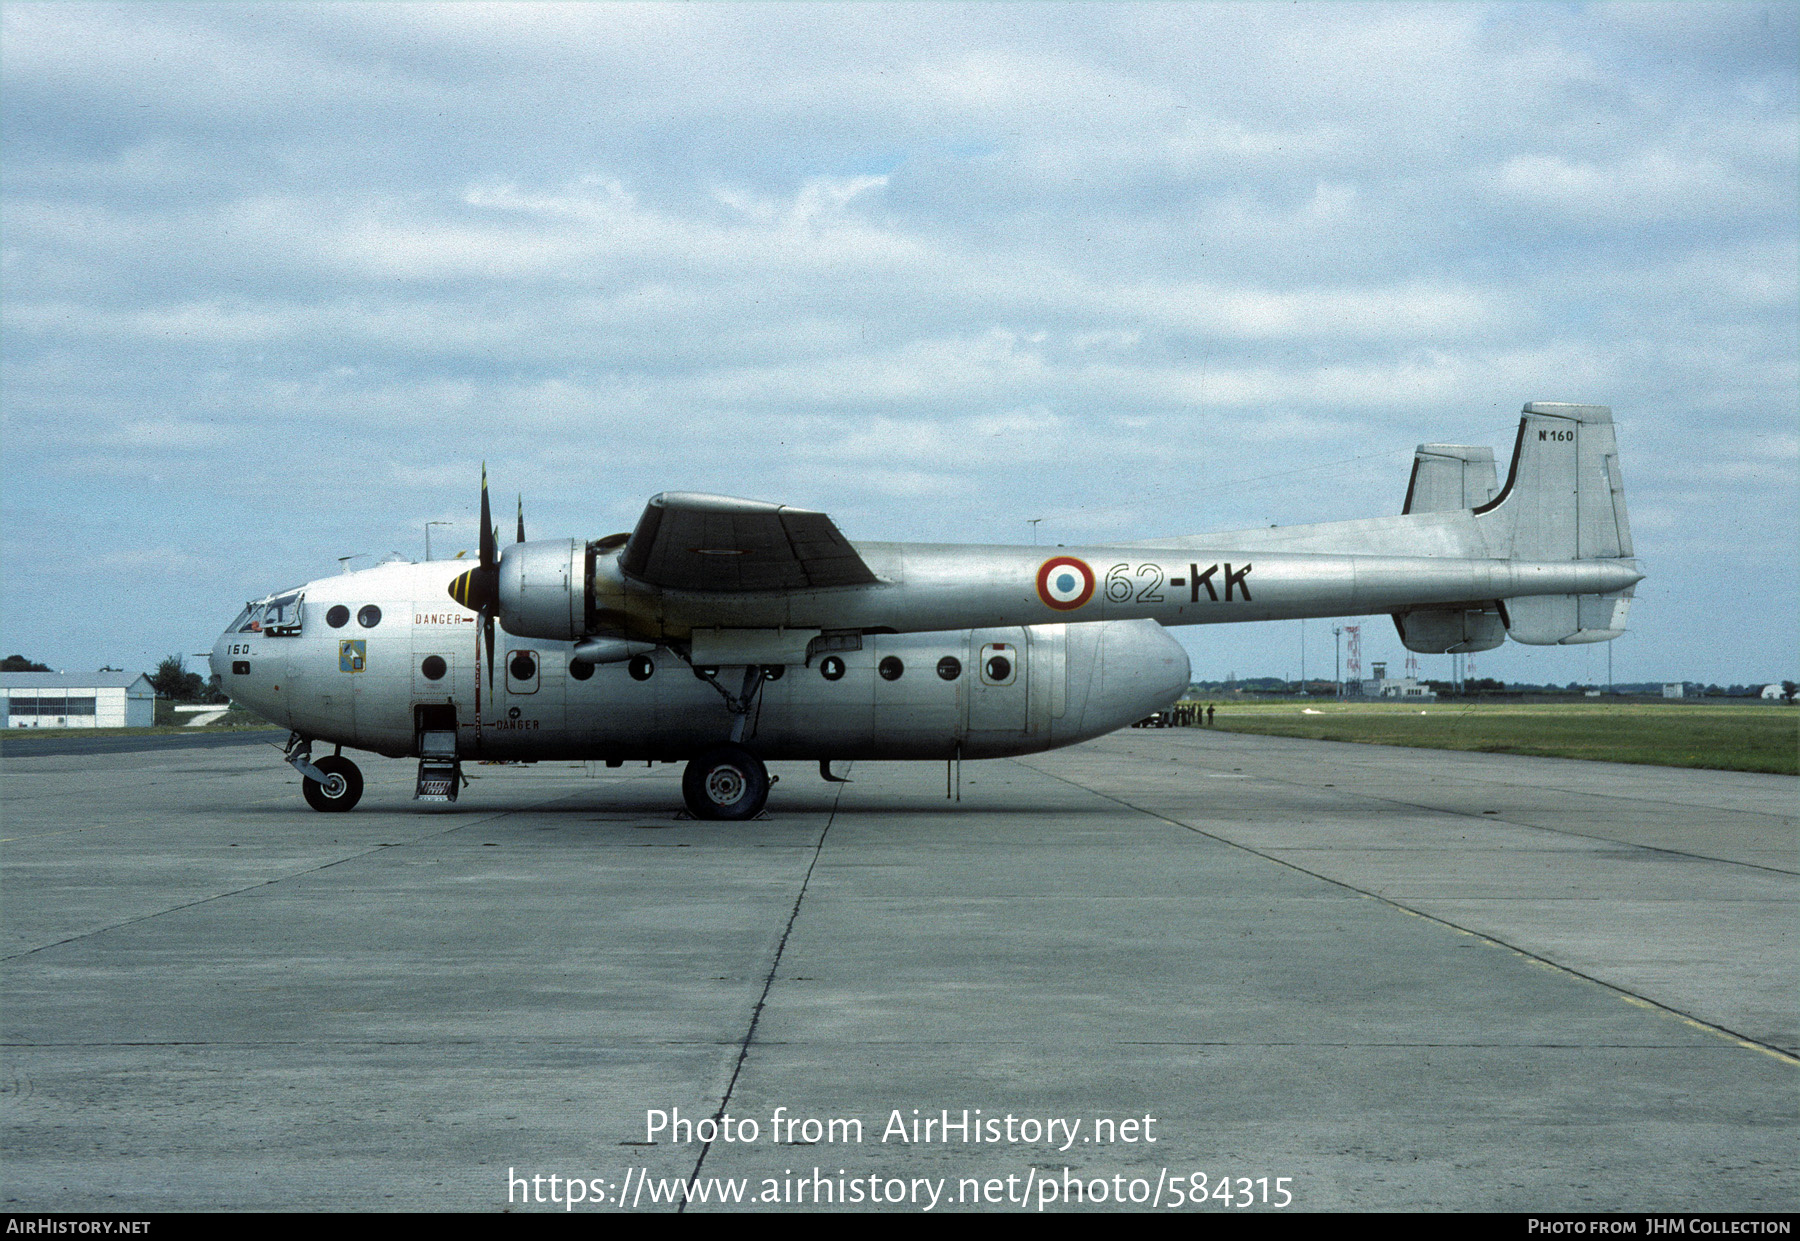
[{"x": 982, "y": 692}]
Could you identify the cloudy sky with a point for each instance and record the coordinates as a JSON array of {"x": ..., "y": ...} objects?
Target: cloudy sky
[{"x": 278, "y": 277}]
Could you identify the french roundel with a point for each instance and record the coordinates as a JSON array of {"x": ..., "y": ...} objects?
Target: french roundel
[{"x": 1065, "y": 583}]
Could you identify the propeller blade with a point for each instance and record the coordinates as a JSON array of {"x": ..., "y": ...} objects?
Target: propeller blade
[
  {"x": 490, "y": 553},
  {"x": 478, "y": 589},
  {"x": 521, "y": 537}
]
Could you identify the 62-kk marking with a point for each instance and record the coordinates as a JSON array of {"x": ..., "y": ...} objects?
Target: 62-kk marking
[{"x": 1147, "y": 586}]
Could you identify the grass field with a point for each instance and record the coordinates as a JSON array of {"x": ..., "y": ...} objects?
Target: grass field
[
  {"x": 26, "y": 734},
  {"x": 166, "y": 722},
  {"x": 1675, "y": 734}
]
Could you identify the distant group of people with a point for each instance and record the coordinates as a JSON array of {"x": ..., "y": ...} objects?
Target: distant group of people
[{"x": 1188, "y": 714}]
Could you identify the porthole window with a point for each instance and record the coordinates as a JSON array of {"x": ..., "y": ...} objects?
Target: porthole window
[
  {"x": 642, "y": 666},
  {"x": 949, "y": 667},
  {"x": 773, "y": 672},
  {"x": 434, "y": 667},
  {"x": 522, "y": 666},
  {"x": 891, "y": 668},
  {"x": 580, "y": 670},
  {"x": 338, "y": 617},
  {"x": 999, "y": 668},
  {"x": 368, "y": 616},
  {"x": 831, "y": 668}
]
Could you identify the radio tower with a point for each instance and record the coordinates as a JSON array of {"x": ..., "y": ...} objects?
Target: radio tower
[{"x": 1353, "y": 657}]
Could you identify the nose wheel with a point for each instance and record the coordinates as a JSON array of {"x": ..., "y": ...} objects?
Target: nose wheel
[
  {"x": 341, "y": 789},
  {"x": 726, "y": 782}
]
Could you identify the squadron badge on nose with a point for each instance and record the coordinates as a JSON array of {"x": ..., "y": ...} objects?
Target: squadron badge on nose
[{"x": 351, "y": 652}]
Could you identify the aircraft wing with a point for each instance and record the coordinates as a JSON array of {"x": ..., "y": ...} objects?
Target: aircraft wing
[{"x": 686, "y": 541}]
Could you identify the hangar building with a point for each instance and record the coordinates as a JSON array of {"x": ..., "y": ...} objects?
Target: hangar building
[{"x": 78, "y": 700}]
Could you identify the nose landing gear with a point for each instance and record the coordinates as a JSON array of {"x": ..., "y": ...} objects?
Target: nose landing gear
[
  {"x": 342, "y": 788},
  {"x": 726, "y": 782},
  {"x": 332, "y": 783}
]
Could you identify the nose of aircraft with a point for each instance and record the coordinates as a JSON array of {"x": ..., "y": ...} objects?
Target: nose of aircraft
[
  {"x": 1142, "y": 669},
  {"x": 217, "y": 661}
]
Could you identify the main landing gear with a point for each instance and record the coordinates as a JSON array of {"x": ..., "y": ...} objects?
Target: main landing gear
[
  {"x": 726, "y": 782},
  {"x": 332, "y": 783}
]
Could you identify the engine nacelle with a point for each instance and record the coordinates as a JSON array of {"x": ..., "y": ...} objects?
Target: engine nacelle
[{"x": 543, "y": 589}]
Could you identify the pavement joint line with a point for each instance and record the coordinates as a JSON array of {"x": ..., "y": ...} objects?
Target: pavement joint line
[
  {"x": 1743, "y": 1040},
  {"x": 1555, "y": 831},
  {"x": 1357, "y": 763},
  {"x": 769, "y": 979},
  {"x": 1332, "y": 1044},
  {"x": 477, "y": 821}
]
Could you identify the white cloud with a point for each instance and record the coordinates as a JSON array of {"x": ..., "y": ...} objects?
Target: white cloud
[
  {"x": 903, "y": 263},
  {"x": 1650, "y": 184}
]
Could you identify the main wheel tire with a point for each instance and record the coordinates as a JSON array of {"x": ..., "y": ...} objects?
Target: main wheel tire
[
  {"x": 726, "y": 782},
  {"x": 343, "y": 787}
]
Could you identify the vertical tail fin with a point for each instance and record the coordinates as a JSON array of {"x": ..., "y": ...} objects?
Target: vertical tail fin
[
  {"x": 1564, "y": 499},
  {"x": 1447, "y": 477}
]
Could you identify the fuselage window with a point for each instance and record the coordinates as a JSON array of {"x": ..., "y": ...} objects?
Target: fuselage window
[
  {"x": 523, "y": 666},
  {"x": 949, "y": 667},
  {"x": 642, "y": 667},
  {"x": 999, "y": 668},
  {"x": 368, "y": 616},
  {"x": 892, "y": 669},
  {"x": 338, "y": 617},
  {"x": 580, "y": 669},
  {"x": 831, "y": 667},
  {"x": 434, "y": 667}
]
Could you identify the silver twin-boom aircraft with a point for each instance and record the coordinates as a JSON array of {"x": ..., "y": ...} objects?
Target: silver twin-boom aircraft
[{"x": 725, "y": 633}]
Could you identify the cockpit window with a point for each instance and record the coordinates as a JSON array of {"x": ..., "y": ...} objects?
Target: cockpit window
[
  {"x": 277, "y": 616},
  {"x": 283, "y": 614},
  {"x": 241, "y": 623}
]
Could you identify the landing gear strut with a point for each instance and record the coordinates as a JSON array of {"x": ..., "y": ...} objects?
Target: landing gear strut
[
  {"x": 726, "y": 782},
  {"x": 740, "y": 704}
]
